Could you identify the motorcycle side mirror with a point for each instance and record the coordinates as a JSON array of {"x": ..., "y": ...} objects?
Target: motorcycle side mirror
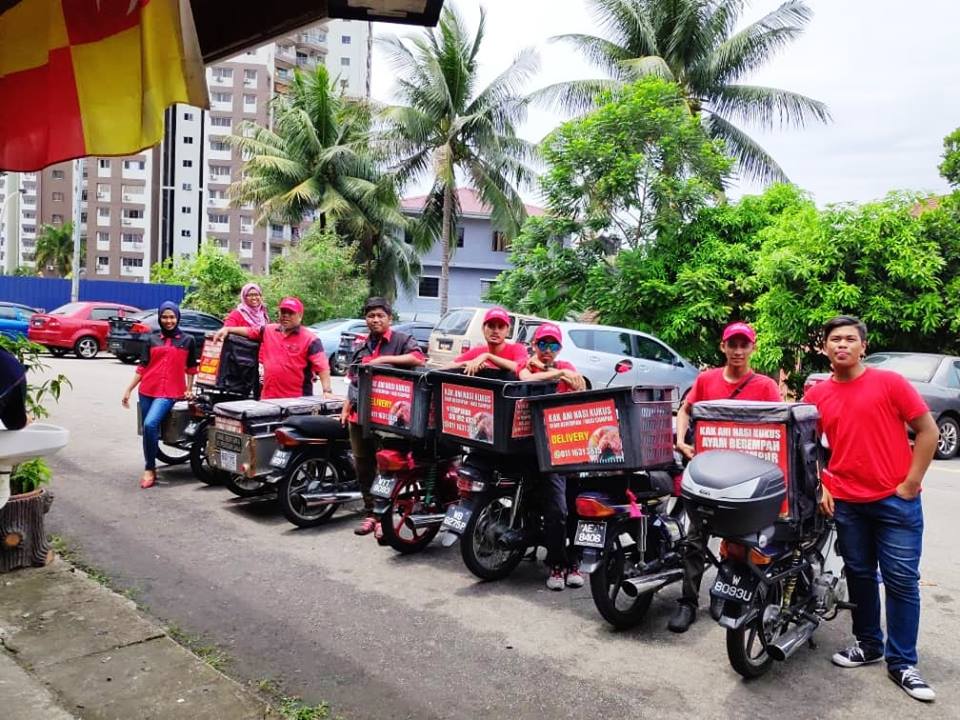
[{"x": 624, "y": 366}]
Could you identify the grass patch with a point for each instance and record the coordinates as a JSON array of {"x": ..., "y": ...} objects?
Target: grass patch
[
  {"x": 212, "y": 655},
  {"x": 291, "y": 708},
  {"x": 70, "y": 553}
]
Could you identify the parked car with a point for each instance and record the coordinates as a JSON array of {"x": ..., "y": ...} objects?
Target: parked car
[
  {"x": 936, "y": 378},
  {"x": 15, "y": 319},
  {"x": 330, "y": 332},
  {"x": 595, "y": 351},
  {"x": 461, "y": 329},
  {"x": 80, "y": 326},
  {"x": 419, "y": 329},
  {"x": 127, "y": 334}
]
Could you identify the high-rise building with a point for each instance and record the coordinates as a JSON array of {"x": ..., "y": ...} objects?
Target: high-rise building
[{"x": 164, "y": 202}]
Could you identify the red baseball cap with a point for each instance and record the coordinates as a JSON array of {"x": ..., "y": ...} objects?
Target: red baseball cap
[
  {"x": 739, "y": 328},
  {"x": 548, "y": 330},
  {"x": 497, "y": 313},
  {"x": 292, "y": 304}
]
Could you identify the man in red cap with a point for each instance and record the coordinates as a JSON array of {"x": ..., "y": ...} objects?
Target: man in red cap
[
  {"x": 498, "y": 353},
  {"x": 547, "y": 343},
  {"x": 291, "y": 355},
  {"x": 735, "y": 380}
]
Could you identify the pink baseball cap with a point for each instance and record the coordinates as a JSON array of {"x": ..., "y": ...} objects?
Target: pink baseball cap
[
  {"x": 548, "y": 330},
  {"x": 497, "y": 313},
  {"x": 739, "y": 328},
  {"x": 292, "y": 304}
]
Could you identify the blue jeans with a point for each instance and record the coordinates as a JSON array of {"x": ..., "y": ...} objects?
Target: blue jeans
[
  {"x": 153, "y": 411},
  {"x": 888, "y": 533}
]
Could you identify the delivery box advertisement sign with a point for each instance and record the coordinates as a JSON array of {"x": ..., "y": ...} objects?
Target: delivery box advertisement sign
[
  {"x": 467, "y": 412},
  {"x": 390, "y": 401},
  {"x": 584, "y": 433},
  {"x": 767, "y": 441},
  {"x": 522, "y": 420},
  {"x": 209, "y": 362}
]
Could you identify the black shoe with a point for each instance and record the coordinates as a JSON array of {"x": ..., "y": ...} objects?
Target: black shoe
[
  {"x": 912, "y": 684},
  {"x": 855, "y": 656},
  {"x": 683, "y": 617}
]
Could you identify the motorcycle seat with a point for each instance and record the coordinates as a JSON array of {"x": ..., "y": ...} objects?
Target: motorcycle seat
[
  {"x": 318, "y": 426},
  {"x": 725, "y": 469}
]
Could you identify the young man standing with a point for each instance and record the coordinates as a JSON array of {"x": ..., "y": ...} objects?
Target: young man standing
[
  {"x": 498, "y": 353},
  {"x": 382, "y": 346},
  {"x": 735, "y": 380},
  {"x": 871, "y": 487}
]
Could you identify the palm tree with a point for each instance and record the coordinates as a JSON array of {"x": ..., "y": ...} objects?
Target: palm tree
[
  {"x": 316, "y": 163},
  {"x": 55, "y": 249},
  {"x": 444, "y": 126},
  {"x": 695, "y": 43}
]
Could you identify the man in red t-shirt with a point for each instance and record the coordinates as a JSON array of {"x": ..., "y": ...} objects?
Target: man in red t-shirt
[
  {"x": 735, "y": 380},
  {"x": 871, "y": 487},
  {"x": 498, "y": 353}
]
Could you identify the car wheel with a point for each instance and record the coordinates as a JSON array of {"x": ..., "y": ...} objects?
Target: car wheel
[
  {"x": 339, "y": 365},
  {"x": 57, "y": 351},
  {"x": 127, "y": 359},
  {"x": 86, "y": 347},
  {"x": 949, "y": 441}
]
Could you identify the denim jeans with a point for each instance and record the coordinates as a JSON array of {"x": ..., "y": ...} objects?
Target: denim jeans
[
  {"x": 888, "y": 533},
  {"x": 153, "y": 411}
]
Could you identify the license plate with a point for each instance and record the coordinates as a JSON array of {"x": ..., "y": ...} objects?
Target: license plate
[
  {"x": 228, "y": 460},
  {"x": 383, "y": 486},
  {"x": 191, "y": 430},
  {"x": 445, "y": 344},
  {"x": 590, "y": 534},
  {"x": 456, "y": 519},
  {"x": 115, "y": 346},
  {"x": 280, "y": 459},
  {"x": 734, "y": 584}
]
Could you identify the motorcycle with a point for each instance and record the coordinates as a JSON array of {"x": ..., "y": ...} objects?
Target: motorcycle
[
  {"x": 312, "y": 469},
  {"x": 414, "y": 485},
  {"x": 777, "y": 581}
]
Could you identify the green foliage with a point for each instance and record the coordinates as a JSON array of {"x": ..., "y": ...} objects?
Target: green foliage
[
  {"x": 31, "y": 357},
  {"x": 293, "y": 708},
  {"x": 213, "y": 278},
  {"x": 55, "y": 249},
  {"x": 635, "y": 169},
  {"x": 321, "y": 272},
  {"x": 29, "y": 476},
  {"x": 950, "y": 167}
]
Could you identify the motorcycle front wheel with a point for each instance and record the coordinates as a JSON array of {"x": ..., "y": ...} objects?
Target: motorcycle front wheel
[
  {"x": 308, "y": 474},
  {"x": 398, "y": 532},
  {"x": 746, "y": 646},
  {"x": 614, "y": 605},
  {"x": 480, "y": 545},
  {"x": 172, "y": 454},
  {"x": 242, "y": 486},
  {"x": 200, "y": 465}
]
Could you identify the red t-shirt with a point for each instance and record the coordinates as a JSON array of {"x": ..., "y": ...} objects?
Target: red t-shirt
[
  {"x": 711, "y": 385},
  {"x": 864, "y": 423},
  {"x": 562, "y": 385},
  {"x": 235, "y": 318},
  {"x": 289, "y": 359},
  {"x": 165, "y": 362},
  {"x": 508, "y": 351}
]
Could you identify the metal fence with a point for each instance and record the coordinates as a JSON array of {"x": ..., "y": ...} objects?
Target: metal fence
[{"x": 48, "y": 293}]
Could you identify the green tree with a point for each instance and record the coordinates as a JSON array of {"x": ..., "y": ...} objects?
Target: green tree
[
  {"x": 444, "y": 126},
  {"x": 317, "y": 162},
  {"x": 213, "y": 278},
  {"x": 322, "y": 273},
  {"x": 55, "y": 249},
  {"x": 950, "y": 167},
  {"x": 696, "y": 43}
]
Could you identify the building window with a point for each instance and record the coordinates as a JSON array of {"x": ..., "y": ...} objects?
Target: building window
[
  {"x": 103, "y": 261},
  {"x": 134, "y": 164},
  {"x": 485, "y": 287},
  {"x": 188, "y": 163},
  {"x": 83, "y": 217},
  {"x": 103, "y": 237},
  {"x": 219, "y": 218},
  {"x": 219, "y": 121},
  {"x": 408, "y": 237},
  {"x": 186, "y": 210},
  {"x": 249, "y": 101},
  {"x": 429, "y": 287},
  {"x": 187, "y": 186},
  {"x": 188, "y": 140},
  {"x": 345, "y": 39},
  {"x": 500, "y": 242},
  {"x": 58, "y": 175},
  {"x": 188, "y": 116},
  {"x": 133, "y": 214},
  {"x": 250, "y": 76},
  {"x": 222, "y": 97},
  {"x": 58, "y": 197},
  {"x": 223, "y": 73},
  {"x": 131, "y": 238},
  {"x": 345, "y": 62},
  {"x": 57, "y": 219},
  {"x": 460, "y": 235},
  {"x": 219, "y": 146},
  {"x": 184, "y": 233},
  {"x": 132, "y": 262},
  {"x": 103, "y": 212},
  {"x": 246, "y": 244},
  {"x": 104, "y": 164},
  {"x": 245, "y": 267}
]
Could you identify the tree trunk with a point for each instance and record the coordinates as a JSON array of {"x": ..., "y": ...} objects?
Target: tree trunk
[
  {"x": 23, "y": 542},
  {"x": 445, "y": 247}
]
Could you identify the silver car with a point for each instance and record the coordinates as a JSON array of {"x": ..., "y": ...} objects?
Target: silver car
[{"x": 595, "y": 351}]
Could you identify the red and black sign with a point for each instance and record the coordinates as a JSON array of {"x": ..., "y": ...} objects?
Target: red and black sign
[
  {"x": 767, "y": 441},
  {"x": 391, "y": 401},
  {"x": 584, "y": 433},
  {"x": 209, "y": 362},
  {"x": 467, "y": 412}
]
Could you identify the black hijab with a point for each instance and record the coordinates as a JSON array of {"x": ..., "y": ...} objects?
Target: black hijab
[{"x": 13, "y": 392}]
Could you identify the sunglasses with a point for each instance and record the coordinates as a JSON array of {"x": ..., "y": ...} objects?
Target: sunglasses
[{"x": 548, "y": 346}]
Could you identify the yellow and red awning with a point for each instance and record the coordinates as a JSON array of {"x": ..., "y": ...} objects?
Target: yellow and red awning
[{"x": 92, "y": 77}]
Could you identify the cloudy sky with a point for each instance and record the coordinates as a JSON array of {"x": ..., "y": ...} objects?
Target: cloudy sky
[{"x": 889, "y": 71}]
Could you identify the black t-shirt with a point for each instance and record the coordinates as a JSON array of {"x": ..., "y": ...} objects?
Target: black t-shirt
[{"x": 13, "y": 392}]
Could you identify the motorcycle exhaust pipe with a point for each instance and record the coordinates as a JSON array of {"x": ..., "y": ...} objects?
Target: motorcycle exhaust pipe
[
  {"x": 312, "y": 500},
  {"x": 787, "y": 644},
  {"x": 426, "y": 520},
  {"x": 636, "y": 586}
]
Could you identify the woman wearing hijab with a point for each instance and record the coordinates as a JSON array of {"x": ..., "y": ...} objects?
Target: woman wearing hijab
[
  {"x": 165, "y": 374},
  {"x": 250, "y": 312}
]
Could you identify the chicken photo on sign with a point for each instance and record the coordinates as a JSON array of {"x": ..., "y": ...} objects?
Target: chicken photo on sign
[{"x": 585, "y": 432}]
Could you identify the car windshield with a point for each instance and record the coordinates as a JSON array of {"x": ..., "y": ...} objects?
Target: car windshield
[
  {"x": 68, "y": 309},
  {"x": 143, "y": 315},
  {"x": 919, "y": 368},
  {"x": 455, "y": 322}
]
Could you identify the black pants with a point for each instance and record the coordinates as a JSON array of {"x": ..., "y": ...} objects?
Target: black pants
[
  {"x": 365, "y": 460},
  {"x": 559, "y": 496},
  {"x": 693, "y": 565}
]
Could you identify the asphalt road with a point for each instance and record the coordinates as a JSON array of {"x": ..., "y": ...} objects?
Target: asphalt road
[{"x": 337, "y": 618}]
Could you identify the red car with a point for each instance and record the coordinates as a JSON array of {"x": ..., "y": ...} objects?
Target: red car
[{"x": 80, "y": 326}]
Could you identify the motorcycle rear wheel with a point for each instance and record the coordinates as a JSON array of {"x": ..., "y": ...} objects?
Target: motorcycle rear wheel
[
  {"x": 397, "y": 533},
  {"x": 172, "y": 454},
  {"x": 200, "y": 465},
  {"x": 304, "y": 473},
  {"x": 244, "y": 487},
  {"x": 745, "y": 648},
  {"x": 614, "y": 605},
  {"x": 479, "y": 545}
]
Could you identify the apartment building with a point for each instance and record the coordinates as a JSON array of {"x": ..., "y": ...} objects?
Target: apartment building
[{"x": 164, "y": 202}]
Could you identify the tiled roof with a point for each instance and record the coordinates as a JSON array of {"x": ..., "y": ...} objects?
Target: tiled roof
[{"x": 470, "y": 204}]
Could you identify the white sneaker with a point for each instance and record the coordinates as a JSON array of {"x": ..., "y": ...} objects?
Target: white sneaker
[
  {"x": 574, "y": 578},
  {"x": 556, "y": 581},
  {"x": 912, "y": 684}
]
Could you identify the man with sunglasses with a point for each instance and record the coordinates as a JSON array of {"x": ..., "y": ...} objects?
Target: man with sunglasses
[{"x": 560, "y": 491}]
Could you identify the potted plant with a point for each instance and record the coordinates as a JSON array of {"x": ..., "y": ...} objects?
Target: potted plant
[{"x": 23, "y": 540}]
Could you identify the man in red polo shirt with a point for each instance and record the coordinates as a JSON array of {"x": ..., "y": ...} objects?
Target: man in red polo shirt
[
  {"x": 871, "y": 487},
  {"x": 497, "y": 353},
  {"x": 735, "y": 380},
  {"x": 290, "y": 353}
]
